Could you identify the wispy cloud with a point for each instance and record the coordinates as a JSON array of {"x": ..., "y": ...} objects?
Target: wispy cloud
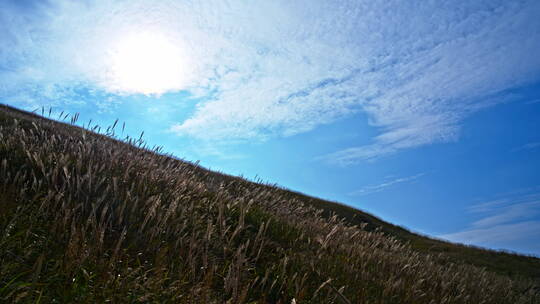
[
  {"x": 279, "y": 68},
  {"x": 506, "y": 219},
  {"x": 383, "y": 186},
  {"x": 487, "y": 236},
  {"x": 528, "y": 146}
]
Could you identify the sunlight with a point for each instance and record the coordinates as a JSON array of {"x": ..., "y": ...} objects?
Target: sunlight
[{"x": 146, "y": 63}]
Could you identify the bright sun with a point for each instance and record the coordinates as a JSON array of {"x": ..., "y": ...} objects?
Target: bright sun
[{"x": 146, "y": 63}]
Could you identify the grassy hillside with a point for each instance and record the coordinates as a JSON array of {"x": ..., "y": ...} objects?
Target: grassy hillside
[{"x": 86, "y": 218}]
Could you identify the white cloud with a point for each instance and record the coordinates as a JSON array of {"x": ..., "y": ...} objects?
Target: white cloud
[
  {"x": 383, "y": 186},
  {"x": 279, "y": 68},
  {"x": 510, "y": 213},
  {"x": 489, "y": 236},
  {"x": 507, "y": 219}
]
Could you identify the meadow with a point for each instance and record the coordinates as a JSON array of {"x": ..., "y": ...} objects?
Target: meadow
[{"x": 94, "y": 218}]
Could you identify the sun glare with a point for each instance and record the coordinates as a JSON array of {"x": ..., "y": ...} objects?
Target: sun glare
[{"x": 146, "y": 63}]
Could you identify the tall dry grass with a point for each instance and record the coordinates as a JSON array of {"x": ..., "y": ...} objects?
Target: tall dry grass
[{"x": 89, "y": 219}]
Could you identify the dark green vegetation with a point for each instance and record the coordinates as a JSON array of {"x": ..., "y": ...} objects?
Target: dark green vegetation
[{"x": 86, "y": 218}]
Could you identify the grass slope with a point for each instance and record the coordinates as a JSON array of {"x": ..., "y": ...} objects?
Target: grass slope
[{"x": 88, "y": 218}]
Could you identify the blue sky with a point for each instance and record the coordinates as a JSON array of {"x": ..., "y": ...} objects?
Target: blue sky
[{"x": 422, "y": 113}]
